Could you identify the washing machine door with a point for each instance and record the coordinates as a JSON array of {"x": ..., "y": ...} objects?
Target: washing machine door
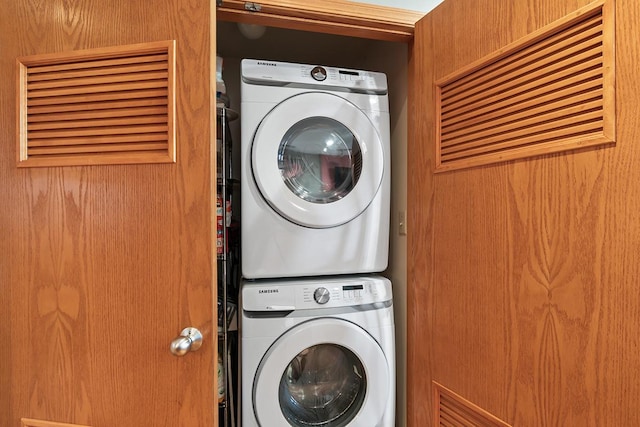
[
  {"x": 317, "y": 160},
  {"x": 325, "y": 372}
]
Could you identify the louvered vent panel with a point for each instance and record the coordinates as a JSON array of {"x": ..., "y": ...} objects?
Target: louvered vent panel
[
  {"x": 550, "y": 92},
  {"x": 454, "y": 411},
  {"x": 106, "y": 106}
]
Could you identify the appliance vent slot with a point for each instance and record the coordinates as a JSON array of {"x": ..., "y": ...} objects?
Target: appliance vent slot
[
  {"x": 549, "y": 92},
  {"x": 454, "y": 411},
  {"x": 357, "y": 165},
  {"x": 95, "y": 107}
]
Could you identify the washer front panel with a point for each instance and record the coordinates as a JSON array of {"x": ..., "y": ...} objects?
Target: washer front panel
[
  {"x": 270, "y": 173},
  {"x": 340, "y": 333}
]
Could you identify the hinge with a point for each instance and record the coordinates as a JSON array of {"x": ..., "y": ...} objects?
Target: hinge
[{"x": 252, "y": 7}]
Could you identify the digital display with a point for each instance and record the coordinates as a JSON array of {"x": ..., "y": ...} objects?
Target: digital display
[
  {"x": 353, "y": 288},
  {"x": 350, "y": 73}
]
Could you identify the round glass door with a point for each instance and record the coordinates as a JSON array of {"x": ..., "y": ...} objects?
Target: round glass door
[
  {"x": 325, "y": 373},
  {"x": 323, "y": 385},
  {"x": 320, "y": 160},
  {"x": 317, "y": 160}
]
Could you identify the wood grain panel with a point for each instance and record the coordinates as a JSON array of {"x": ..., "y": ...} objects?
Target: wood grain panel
[
  {"x": 105, "y": 265},
  {"x": 329, "y": 16},
  {"x": 524, "y": 274},
  {"x": 6, "y": 121},
  {"x": 420, "y": 209}
]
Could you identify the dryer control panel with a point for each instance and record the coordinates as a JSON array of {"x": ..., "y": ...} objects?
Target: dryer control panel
[
  {"x": 303, "y": 75},
  {"x": 290, "y": 295}
]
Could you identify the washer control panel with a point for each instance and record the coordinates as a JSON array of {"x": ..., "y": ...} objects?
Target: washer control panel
[
  {"x": 313, "y": 294},
  {"x": 274, "y": 73},
  {"x": 343, "y": 295}
]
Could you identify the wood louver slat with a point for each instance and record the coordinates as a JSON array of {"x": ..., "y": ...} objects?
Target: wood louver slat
[
  {"x": 454, "y": 411},
  {"x": 552, "y": 91},
  {"x": 100, "y": 106},
  {"x": 29, "y": 422}
]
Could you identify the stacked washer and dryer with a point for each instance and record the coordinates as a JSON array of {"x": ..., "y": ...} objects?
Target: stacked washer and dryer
[{"x": 317, "y": 330}]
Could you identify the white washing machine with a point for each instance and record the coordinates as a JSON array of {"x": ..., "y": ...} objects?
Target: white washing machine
[
  {"x": 315, "y": 170},
  {"x": 318, "y": 352}
]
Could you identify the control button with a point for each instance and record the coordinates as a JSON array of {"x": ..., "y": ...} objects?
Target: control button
[
  {"x": 319, "y": 73},
  {"x": 321, "y": 295}
]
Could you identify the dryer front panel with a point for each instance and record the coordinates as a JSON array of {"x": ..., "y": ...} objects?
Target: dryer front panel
[
  {"x": 325, "y": 372},
  {"x": 317, "y": 160}
]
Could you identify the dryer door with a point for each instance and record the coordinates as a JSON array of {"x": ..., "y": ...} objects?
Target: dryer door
[
  {"x": 324, "y": 372},
  {"x": 317, "y": 160}
]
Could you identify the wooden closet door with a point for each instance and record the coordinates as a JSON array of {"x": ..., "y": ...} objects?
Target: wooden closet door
[
  {"x": 101, "y": 267},
  {"x": 523, "y": 294}
]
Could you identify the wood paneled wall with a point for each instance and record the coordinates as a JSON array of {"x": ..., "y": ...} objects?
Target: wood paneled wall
[{"x": 524, "y": 295}]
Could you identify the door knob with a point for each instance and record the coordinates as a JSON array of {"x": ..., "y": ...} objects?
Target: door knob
[{"x": 190, "y": 339}]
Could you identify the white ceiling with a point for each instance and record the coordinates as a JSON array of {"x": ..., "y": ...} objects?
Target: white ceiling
[{"x": 417, "y": 5}]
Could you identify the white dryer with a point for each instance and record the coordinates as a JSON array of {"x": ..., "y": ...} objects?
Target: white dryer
[
  {"x": 318, "y": 352},
  {"x": 315, "y": 170}
]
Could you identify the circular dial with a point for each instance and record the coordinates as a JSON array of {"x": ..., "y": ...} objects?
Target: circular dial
[
  {"x": 321, "y": 295},
  {"x": 319, "y": 73}
]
